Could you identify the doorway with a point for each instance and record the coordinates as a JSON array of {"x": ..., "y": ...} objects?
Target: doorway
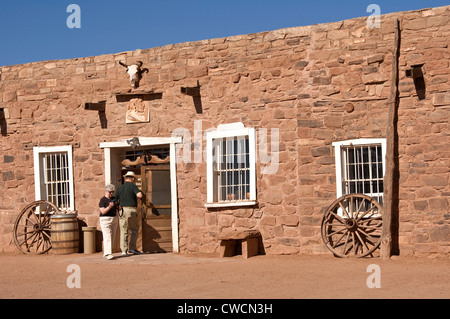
[
  {"x": 156, "y": 178},
  {"x": 152, "y": 168},
  {"x": 156, "y": 209}
]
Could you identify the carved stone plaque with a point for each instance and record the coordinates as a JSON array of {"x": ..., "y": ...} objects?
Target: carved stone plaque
[{"x": 138, "y": 111}]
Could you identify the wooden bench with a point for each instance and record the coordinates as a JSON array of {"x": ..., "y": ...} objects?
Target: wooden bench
[{"x": 247, "y": 239}]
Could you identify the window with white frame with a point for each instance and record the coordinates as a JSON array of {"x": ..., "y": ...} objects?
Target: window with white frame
[
  {"x": 360, "y": 167},
  {"x": 231, "y": 157},
  {"x": 53, "y": 175}
]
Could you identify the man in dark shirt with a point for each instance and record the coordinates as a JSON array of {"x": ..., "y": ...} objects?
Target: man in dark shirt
[{"x": 127, "y": 195}]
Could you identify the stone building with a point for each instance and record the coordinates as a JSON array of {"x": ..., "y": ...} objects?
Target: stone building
[{"x": 290, "y": 103}]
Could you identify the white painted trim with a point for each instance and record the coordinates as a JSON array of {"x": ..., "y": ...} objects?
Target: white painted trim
[
  {"x": 174, "y": 196},
  {"x": 338, "y": 163},
  {"x": 252, "y": 158},
  {"x": 231, "y": 133},
  {"x": 37, "y": 174},
  {"x": 153, "y": 141},
  {"x": 144, "y": 141},
  {"x": 209, "y": 169},
  {"x": 361, "y": 141},
  {"x": 108, "y": 177},
  {"x": 339, "y": 160},
  {"x": 37, "y": 150},
  {"x": 225, "y": 131},
  {"x": 230, "y": 204}
]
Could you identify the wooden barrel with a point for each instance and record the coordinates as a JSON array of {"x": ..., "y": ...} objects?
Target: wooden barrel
[{"x": 65, "y": 234}]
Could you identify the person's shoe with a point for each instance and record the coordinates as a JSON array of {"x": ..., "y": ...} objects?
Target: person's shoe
[
  {"x": 109, "y": 257},
  {"x": 135, "y": 252},
  {"x": 124, "y": 253}
]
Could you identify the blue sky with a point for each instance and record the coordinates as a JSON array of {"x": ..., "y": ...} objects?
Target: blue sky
[{"x": 36, "y": 30}]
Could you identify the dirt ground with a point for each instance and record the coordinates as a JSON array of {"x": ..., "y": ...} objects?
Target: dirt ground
[{"x": 175, "y": 276}]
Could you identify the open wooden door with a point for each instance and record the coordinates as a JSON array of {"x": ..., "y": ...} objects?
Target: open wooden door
[{"x": 156, "y": 211}]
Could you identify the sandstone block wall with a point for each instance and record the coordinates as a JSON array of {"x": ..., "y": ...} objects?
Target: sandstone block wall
[{"x": 315, "y": 84}]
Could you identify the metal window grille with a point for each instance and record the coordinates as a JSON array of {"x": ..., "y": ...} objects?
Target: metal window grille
[
  {"x": 363, "y": 170},
  {"x": 56, "y": 179},
  {"x": 232, "y": 169}
]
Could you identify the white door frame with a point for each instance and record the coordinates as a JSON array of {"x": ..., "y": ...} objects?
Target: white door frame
[{"x": 152, "y": 141}]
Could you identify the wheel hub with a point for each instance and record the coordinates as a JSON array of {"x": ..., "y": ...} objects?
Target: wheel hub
[{"x": 351, "y": 224}]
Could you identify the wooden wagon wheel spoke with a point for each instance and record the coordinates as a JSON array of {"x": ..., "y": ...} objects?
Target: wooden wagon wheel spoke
[
  {"x": 363, "y": 242},
  {"x": 25, "y": 233},
  {"x": 355, "y": 246},
  {"x": 366, "y": 213},
  {"x": 362, "y": 231},
  {"x": 24, "y": 225},
  {"x": 336, "y": 232},
  {"x": 346, "y": 241},
  {"x": 47, "y": 234},
  {"x": 344, "y": 209},
  {"x": 360, "y": 207},
  {"x": 373, "y": 227},
  {"x": 370, "y": 219},
  {"x": 339, "y": 218},
  {"x": 47, "y": 220},
  {"x": 38, "y": 242},
  {"x": 31, "y": 239},
  {"x": 350, "y": 206},
  {"x": 352, "y": 226},
  {"x": 28, "y": 220},
  {"x": 336, "y": 243},
  {"x": 31, "y": 230},
  {"x": 43, "y": 243}
]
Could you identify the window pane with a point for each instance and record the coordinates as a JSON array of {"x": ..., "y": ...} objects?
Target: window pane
[
  {"x": 363, "y": 170},
  {"x": 56, "y": 179},
  {"x": 233, "y": 173}
]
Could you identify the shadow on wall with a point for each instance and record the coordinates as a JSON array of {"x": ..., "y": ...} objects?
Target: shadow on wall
[{"x": 3, "y": 125}]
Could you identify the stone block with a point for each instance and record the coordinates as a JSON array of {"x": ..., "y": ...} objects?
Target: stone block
[
  {"x": 289, "y": 220},
  {"x": 25, "y": 73},
  {"x": 376, "y": 58},
  {"x": 441, "y": 99},
  {"x": 338, "y": 34},
  {"x": 9, "y": 96},
  {"x": 179, "y": 74},
  {"x": 420, "y": 205},
  {"x": 374, "y": 78},
  {"x": 247, "y": 240},
  {"x": 8, "y": 176},
  {"x": 320, "y": 80},
  {"x": 435, "y": 180},
  {"x": 320, "y": 151},
  {"x": 439, "y": 116},
  {"x": 333, "y": 121},
  {"x": 438, "y": 204},
  {"x": 197, "y": 71},
  {"x": 268, "y": 220},
  {"x": 440, "y": 234}
]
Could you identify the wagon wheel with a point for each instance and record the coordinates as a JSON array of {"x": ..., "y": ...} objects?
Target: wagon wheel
[
  {"x": 32, "y": 228},
  {"x": 352, "y": 226}
]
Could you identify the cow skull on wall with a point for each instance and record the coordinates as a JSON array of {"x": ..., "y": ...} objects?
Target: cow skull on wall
[{"x": 134, "y": 71}]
